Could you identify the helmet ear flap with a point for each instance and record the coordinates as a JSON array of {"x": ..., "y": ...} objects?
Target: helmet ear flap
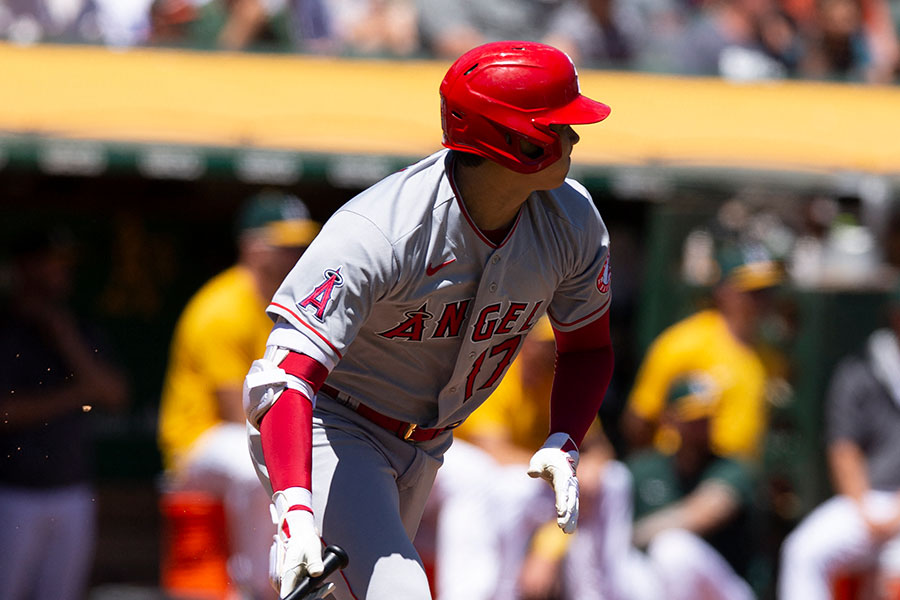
[{"x": 519, "y": 146}]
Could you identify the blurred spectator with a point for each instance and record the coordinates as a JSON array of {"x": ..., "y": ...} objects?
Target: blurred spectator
[
  {"x": 718, "y": 341},
  {"x": 170, "y": 22},
  {"x": 837, "y": 48},
  {"x": 111, "y": 22},
  {"x": 851, "y": 40},
  {"x": 778, "y": 39},
  {"x": 737, "y": 39},
  {"x": 32, "y": 21},
  {"x": 56, "y": 370},
  {"x": 261, "y": 25},
  {"x": 865, "y": 30},
  {"x": 859, "y": 527},
  {"x": 384, "y": 28},
  {"x": 669, "y": 526},
  {"x": 220, "y": 332},
  {"x": 601, "y": 33},
  {"x": 448, "y": 29}
]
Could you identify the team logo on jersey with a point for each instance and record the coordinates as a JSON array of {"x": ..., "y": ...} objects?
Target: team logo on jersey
[
  {"x": 492, "y": 320},
  {"x": 431, "y": 270},
  {"x": 318, "y": 300},
  {"x": 412, "y": 328},
  {"x": 604, "y": 277}
]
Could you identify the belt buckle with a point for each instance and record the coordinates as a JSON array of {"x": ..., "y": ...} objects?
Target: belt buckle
[{"x": 409, "y": 431}]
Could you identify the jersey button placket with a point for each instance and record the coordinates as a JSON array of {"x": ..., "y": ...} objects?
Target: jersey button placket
[{"x": 494, "y": 260}]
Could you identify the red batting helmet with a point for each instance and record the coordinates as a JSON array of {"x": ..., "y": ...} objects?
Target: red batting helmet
[{"x": 500, "y": 93}]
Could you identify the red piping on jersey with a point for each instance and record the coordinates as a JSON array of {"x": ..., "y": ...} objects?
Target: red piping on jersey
[
  {"x": 462, "y": 208},
  {"x": 577, "y": 321},
  {"x": 341, "y": 572},
  {"x": 299, "y": 320}
]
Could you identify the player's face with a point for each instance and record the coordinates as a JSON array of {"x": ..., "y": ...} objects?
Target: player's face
[{"x": 555, "y": 175}]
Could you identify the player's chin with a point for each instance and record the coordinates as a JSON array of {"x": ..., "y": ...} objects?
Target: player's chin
[{"x": 555, "y": 175}]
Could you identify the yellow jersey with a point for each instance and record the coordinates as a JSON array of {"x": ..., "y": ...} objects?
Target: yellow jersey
[
  {"x": 703, "y": 343},
  {"x": 222, "y": 330}
]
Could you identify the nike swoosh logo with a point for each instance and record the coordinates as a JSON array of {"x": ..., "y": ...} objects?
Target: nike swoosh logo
[{"x": 429, "y": 270}]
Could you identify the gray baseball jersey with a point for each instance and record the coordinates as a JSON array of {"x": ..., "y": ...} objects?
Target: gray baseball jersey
[{"x": 418, "y": 312}]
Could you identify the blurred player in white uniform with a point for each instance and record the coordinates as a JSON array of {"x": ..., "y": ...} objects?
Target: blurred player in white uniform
[
  {"x": 858, "y": 529},
  {"x": 657, "y": 526},
  {"x": 404, "y": 314}
]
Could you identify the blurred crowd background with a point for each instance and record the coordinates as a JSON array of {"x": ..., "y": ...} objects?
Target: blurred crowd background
[
  {"x": 122, "y": 245},
  {"x": 844, "y": 40}
]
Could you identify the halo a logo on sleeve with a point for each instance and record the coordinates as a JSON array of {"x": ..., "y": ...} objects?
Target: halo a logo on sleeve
[
  {"x": 317, "y": 301},
  {"x": 604, "y": 277}
]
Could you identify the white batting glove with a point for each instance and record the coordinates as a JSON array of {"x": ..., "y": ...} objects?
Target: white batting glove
[
  {"x": 555, "y": 463},
  {"x": 297, "y": 550}
]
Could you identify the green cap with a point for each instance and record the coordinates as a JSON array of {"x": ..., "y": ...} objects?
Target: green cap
[
  {"x": 693, "y": 397},
  {"x": 748, "y": 267},
  {"x": 282, "y": 218}
]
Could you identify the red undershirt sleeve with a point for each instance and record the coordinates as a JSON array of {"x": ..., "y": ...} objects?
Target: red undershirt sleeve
[
  {"x": 286, "y": 429},
  {"x": 584, "y": 366}
]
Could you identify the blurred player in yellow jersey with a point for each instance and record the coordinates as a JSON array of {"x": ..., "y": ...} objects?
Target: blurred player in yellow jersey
[
  {"x": 221, "y": 331},
  {"x": 719, "y": 342}
]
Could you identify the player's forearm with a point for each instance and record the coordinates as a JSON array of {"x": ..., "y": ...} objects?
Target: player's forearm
[
  {"x": 286, "y": 435},
  {"x": 286, "y": 426},
  {"x": 584, "y": 367},
  {"x": 703, "y": 511},
  {"x": 579, "y": 385},
  {"x": 709, "y": 507},
  {"x": 847, "y": 465},
  {"x": 648, "y": 527}
]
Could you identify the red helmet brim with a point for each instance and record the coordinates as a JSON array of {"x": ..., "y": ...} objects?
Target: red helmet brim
[{"x": 580, "y": 111}]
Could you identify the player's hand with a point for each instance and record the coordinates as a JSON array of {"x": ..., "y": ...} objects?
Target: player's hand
[
  {"x": 881, "y": 527},
  {"x": 302, "y": 550},
  {"x": 297, "y": 551},
  {"x": 555, "y": 462}
]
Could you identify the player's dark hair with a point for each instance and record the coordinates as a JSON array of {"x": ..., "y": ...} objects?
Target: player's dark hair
[{"x": 467, "y": 159}]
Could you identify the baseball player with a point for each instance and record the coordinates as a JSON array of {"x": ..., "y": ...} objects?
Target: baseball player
[
  {"x": 858, "y": 528},
  {"x": 221, "y": 329},
  {"x": 403, "y": 315}
]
